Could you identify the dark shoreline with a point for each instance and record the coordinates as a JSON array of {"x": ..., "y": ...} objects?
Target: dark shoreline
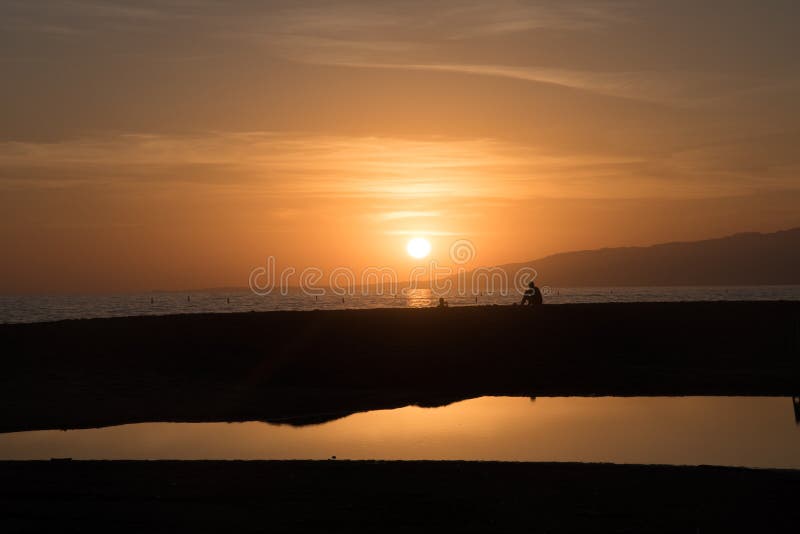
[
  {"x": 303, "y": 496},
  {"x": 307, "y": 367}
]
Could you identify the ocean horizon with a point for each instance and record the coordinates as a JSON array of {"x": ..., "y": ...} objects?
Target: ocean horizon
[{"x": 43, "y": 308}]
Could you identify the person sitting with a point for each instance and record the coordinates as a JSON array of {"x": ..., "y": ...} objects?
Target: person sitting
[{"x": 532, "y": 296}]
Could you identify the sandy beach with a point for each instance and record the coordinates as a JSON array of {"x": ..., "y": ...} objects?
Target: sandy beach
[
  {"x": 336, "y": 496},
  {"x": 315, "y": 366},
  {"x": 309, "y": 367}
]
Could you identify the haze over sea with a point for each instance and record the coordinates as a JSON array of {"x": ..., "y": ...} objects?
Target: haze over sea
[{"x": 39, "y": 308}]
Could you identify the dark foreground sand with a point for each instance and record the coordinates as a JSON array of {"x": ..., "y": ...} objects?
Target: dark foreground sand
[
  {"x": 392, "y": 497},
  {"x": 317, "y": 366},
  {"x": 322, "y": 365}
]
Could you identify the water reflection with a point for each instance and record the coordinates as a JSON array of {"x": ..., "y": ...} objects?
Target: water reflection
[
  {"x": 745, "y": 431},
  {"x": 419, "y": 298},
  {"x": 35, "y": 308}
]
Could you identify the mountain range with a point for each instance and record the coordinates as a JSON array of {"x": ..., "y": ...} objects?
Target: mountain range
[{"x": 741, "y": 259}]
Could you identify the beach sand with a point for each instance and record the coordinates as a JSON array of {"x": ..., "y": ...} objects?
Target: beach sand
[
  {"x": 336, "y": 496},
  {"x": 321, "y": 365},
  {"x": 318, "y": 366}
]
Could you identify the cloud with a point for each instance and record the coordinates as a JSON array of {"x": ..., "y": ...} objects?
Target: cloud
[
  {"x": 427, "y": 233},
  {"x": 646, "y": 86},
  {"x": 91, "y": 19},
  {"x": 451, "y": 19},
  {"x": 107, "y": 9},
  {"x": 395, "y": 33},
  {"x": 272, "y": 164},
  {"x": 398, "y": 36},
  {"x": 507, "y": 39},
  {"x": 374, "y": 32},
  {"x": 395, "y": 215}
]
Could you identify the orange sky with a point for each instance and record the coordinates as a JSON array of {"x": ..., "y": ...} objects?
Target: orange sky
[{"x": 174, "y": 145}]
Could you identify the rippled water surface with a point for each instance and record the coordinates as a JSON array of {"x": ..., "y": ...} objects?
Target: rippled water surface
[{"x": 14, "y": 309}]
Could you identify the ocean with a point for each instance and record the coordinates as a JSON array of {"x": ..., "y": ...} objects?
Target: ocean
[{"x": 38, "y": 308}]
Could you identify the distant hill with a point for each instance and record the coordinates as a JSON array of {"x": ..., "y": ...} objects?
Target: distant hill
[{"x": 741, "y": 259}]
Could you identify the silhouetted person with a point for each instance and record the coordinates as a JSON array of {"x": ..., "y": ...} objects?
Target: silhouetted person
[
  {"x": 442, "y": 303},
  {"x": 796, "y": 404},
  {"x": 532, "y": 296}
]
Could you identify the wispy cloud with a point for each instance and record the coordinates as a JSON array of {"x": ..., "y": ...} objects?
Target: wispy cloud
[
  {"x": 375, "y": 33},
  {"x": 397, "y": 36},
  {"x": 396, "y": 215},
  {"x": 74, "y": 18},
  {"x": 452, "y": 19},
  {"x": 305, "y": 166},
  {"x": 116, "y": 9},
  {"x": 423, "y": 232},
  {"x": 499, "y": 39},
  {"x": 642, "y": 85}
]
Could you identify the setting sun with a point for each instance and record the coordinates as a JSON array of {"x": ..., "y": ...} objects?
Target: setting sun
[
  {"x": 418, "y": 247},
  {"x": 387, "y": 231}
]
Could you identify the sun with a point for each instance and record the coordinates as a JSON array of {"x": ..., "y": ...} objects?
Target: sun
[{"x": 419, "y": 247}]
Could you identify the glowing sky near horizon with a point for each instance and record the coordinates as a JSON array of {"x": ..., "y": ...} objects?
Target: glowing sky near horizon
[{"x": 176, "y": 144}]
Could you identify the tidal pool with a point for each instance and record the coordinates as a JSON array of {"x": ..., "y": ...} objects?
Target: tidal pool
[{"x": 737, "y": 431}]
